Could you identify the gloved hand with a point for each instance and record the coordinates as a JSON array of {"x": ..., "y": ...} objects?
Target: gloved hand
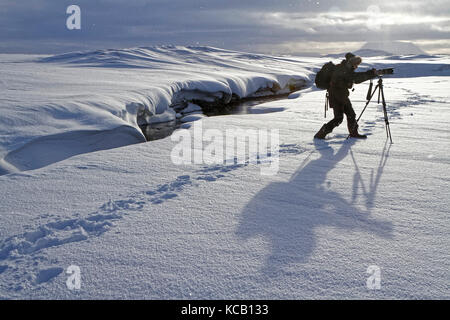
[{"x": 373, "y": 72}]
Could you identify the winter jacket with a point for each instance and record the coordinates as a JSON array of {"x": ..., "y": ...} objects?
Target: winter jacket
[{"x": 343, "y": 79}]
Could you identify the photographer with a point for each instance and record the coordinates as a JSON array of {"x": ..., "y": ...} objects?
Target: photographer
[{"x": 342, "y": 79}]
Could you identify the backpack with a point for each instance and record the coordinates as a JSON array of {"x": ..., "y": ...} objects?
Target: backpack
[{"x": 323, "y": 77}]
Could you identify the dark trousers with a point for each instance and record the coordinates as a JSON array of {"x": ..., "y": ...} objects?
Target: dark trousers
[{"x": 341, "y": 107}]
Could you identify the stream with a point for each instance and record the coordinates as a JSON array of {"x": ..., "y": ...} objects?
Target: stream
[{"x": 156, "y": 131}]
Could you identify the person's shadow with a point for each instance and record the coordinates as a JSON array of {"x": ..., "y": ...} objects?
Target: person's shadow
[{"x": 285, "y": 214}]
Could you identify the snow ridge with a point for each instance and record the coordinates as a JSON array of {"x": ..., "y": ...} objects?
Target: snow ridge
[{"x": 118, "y": 90}]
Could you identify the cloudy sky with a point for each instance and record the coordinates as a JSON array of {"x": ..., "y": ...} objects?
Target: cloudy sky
[{"x": 273, "y": 26}]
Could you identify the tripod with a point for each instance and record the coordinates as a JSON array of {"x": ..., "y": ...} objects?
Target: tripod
[{"x": 369, "y": 97}]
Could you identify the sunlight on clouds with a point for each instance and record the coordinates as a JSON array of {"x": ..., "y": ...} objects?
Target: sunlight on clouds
[
  {"x": 436, "y": 27},
  {"x": 371, "y": 19}
]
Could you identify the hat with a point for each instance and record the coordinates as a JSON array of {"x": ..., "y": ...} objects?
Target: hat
[
  {"x": 355, "y": 61},
  {"x": 349, "y": 55}
]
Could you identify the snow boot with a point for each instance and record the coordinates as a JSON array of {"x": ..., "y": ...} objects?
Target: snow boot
[
  {"x": 321, "y": 134},
  {"x": 353, "y": 130}
]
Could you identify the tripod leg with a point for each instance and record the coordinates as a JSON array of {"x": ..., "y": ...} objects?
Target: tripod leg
[
  {"x": 386, "y": 120},
  {"x": 367, "y": 103},
  {"x": 379, "y": 92}
]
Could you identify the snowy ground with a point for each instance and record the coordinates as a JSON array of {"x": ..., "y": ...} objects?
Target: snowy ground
[{"x": 139, "y": 226}]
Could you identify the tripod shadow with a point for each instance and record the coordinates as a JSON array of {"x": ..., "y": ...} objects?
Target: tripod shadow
[
  {"x": 285, "y": 214},
  {"x": 370, "y": 192}
]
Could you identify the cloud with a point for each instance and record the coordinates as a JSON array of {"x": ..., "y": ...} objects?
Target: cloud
[{"x": 263, "y": 25}]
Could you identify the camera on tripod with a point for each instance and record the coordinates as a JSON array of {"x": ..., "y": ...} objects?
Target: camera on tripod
[
  {"x": 382, "y": 72},
  {"x": 371, "y": 93}
]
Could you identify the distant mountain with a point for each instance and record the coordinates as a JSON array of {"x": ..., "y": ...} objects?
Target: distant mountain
[
  {"x": 391, "y": 48},
  {"x": 371, "y": 53}
]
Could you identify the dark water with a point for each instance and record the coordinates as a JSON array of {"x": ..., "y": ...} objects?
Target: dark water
[
  {"x": 161, "y": 130},
  {"x": 243, "y": 105},
  {"x": 158, "y": 131}
]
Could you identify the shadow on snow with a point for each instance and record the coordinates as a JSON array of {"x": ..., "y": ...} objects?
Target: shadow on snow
[{"x": 286, "y": 213}]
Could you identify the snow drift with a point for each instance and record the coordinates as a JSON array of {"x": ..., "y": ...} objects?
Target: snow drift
[{"x": 49, "y": 100}]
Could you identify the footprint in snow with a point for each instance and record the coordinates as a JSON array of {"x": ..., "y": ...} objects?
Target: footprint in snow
[
  {"x": 46, "y": 275},
  {"x": 21, "y": 249}
]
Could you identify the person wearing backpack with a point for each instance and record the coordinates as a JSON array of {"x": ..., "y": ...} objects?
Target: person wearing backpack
[{"x": 342, "y": 77}]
